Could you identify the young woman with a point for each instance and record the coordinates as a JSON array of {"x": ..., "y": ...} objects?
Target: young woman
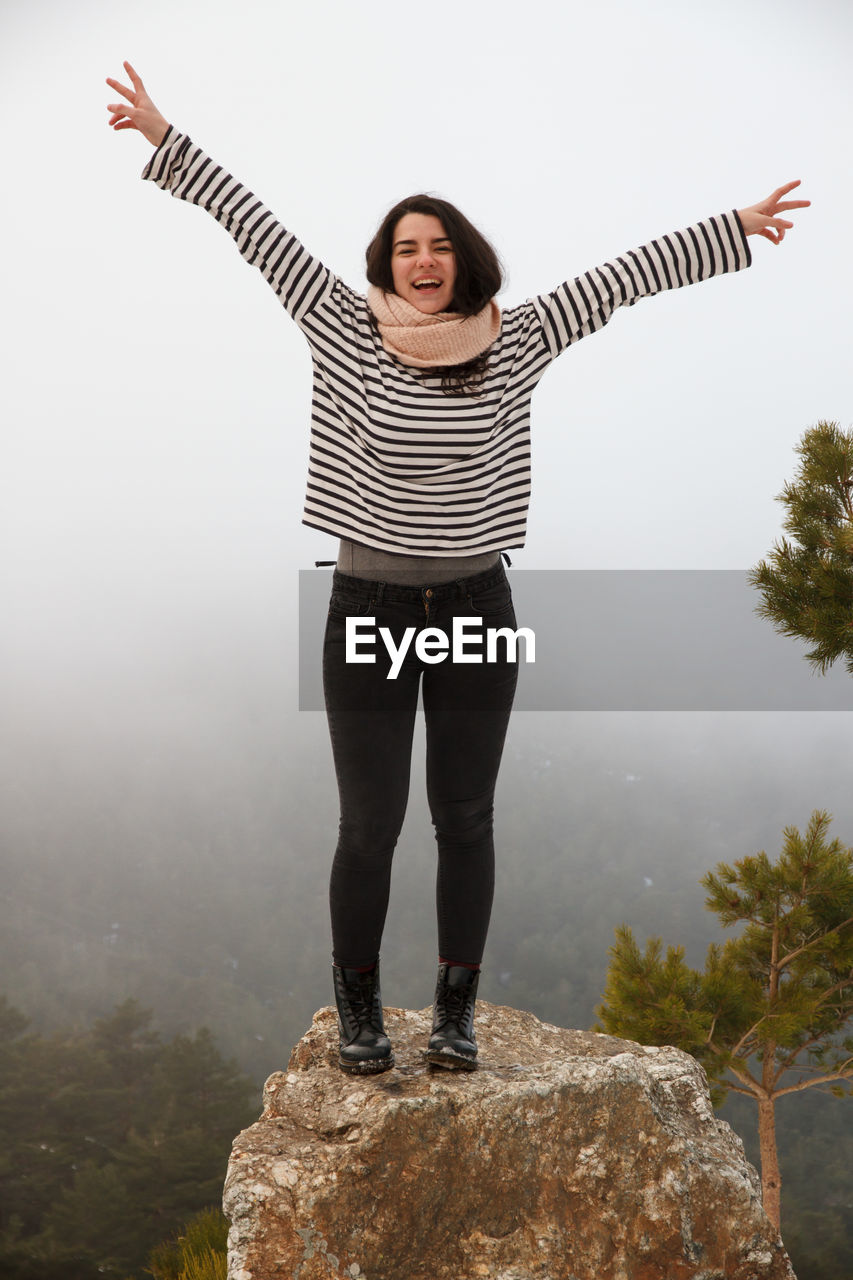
[{"x": 420, "y": 465}]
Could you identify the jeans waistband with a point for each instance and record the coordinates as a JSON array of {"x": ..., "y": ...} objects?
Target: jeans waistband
[{"x": 366, "y": 589}]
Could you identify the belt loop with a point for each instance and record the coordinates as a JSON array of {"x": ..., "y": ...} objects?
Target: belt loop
[
  {"x": 506, "y": 557},
  {"x": 380, "y": 591}
]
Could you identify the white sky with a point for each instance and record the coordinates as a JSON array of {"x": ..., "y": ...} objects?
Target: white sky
[{"x": 155, "y": 395}]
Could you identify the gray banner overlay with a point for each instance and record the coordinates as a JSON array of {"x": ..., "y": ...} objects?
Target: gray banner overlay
[{"x": 631, "y": 640}]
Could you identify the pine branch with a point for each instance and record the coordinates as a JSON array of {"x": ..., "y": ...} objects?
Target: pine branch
[
  {"x": 831, "y": 991},
  {"x": 843, "y": 1010},
  {"x": 845, "y": 1072},
  {"x": 735, "y": 1088},
  {"x": 738, "y": 1048},
  {"x": 789, "y": 1062},
  {"x": 792, "y": 955},
  {"x": 817, "y": 831},
  {"x": 846, "y": 489},
  {"x": 746, "y": 1077},
  {"x": 807, "y": 1067},
  {"x": 821, "y": 1066},
  {"x": 848, "y": 505}
]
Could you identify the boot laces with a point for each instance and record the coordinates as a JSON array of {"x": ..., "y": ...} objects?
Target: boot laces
[
  {"x": 359, "y": 996},
  {"x": 454, "y": 1002}
]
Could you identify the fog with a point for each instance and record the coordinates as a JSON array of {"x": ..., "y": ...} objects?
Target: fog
[{"x": 155, "y": 411}]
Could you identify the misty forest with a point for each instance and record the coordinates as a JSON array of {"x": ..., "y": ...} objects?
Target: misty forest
[{"x": 164, "y": 937}]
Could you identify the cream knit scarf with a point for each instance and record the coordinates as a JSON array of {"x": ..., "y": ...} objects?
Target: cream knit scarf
[{"x": 415, "y": 338}]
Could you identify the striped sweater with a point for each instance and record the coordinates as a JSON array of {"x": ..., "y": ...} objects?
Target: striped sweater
[{"x": 395, "y": 462}]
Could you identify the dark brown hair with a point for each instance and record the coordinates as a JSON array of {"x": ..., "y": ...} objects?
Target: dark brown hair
[{"x": 479, "y": 274}]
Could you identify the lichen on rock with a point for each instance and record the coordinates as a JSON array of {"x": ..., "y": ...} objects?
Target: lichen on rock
[{"x": 565, "y": 1156}]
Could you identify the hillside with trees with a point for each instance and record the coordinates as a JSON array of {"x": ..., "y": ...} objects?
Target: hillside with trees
[
  {"x": 195, "y": 882},
  {"x": 112, "y": 1139}
]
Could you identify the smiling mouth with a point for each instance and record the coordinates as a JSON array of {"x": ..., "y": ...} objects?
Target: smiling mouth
[{"x": 427, "y": 285}]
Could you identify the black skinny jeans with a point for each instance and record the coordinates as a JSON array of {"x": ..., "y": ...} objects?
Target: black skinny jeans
[{"x": 371, "y": 722}]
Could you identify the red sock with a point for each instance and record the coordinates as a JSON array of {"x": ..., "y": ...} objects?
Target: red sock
[{"x": 459, "y": 964}]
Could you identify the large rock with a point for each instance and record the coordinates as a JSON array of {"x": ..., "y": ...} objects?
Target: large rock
[{"x": 565, "y": 1156}]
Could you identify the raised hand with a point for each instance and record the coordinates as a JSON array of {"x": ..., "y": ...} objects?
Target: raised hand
[
  {"x": 761, "y": 220},
  {"x": 141, "y": 114}
]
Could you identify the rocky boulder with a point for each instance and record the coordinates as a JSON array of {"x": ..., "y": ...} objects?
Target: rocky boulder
[{"x": 564, "y": 1156}]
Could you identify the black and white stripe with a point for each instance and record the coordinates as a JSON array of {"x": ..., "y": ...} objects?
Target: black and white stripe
[{"x": 395, "y": 463}]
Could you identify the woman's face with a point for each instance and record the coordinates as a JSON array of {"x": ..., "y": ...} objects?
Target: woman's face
[{"x": 423, "y": 264}]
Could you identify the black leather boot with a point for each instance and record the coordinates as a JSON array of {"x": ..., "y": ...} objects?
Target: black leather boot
[
  {"x": 364, "y": 1046},
  {"x": 453, "y": 1043}
]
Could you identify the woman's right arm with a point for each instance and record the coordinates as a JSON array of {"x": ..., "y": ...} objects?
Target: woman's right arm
[{"x": 183, "y": 169}]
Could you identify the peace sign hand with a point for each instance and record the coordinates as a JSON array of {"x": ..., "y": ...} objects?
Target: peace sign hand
[
  {"x": 141, "y": 114},
  {"x": 760, "y": 219}
]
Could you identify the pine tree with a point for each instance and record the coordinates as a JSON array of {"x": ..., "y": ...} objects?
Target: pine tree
[
  {"x": 767, "y": 1015},
  {"x": 807, "y": 584},
  {"x": 112, "y": 1138}
]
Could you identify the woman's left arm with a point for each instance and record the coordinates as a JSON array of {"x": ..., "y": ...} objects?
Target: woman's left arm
[
  {"x": 761, "y": 220},
  {"x": 708, "y": 248}
]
